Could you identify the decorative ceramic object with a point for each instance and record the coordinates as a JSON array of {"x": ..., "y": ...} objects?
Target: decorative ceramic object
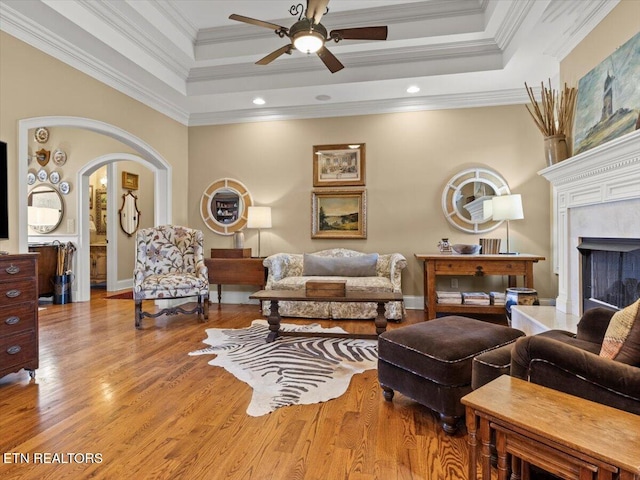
[
  {"x": 238, "y": 240},
  {"x": 444, "y": 246},
  {"x": 520, "y": 296},
  {"x": 555, "y": 149},
  {"x": 41, "y": 135},
  {"x": 464, "y": 249}
]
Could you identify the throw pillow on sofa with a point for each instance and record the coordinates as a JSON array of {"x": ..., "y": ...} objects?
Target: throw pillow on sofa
[
  {"x": 359, "y": 266},
  {"x": 622, "y": 338}
]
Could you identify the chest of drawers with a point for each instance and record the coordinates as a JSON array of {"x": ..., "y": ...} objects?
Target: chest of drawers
[{"x": 18, "y": 313}]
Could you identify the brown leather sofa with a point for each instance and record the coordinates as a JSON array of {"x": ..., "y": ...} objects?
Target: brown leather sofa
[{"x": 567, "y": 362}]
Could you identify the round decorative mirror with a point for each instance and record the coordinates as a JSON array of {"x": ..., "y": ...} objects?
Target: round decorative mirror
[
  {"x": 45, "y": 209},
  {"x": 464, "y": 196},
  {"x": 224, "y": 206},
  {"x": 129, "y": 213}
]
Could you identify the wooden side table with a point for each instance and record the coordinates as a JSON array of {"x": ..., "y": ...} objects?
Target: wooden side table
[
  {"x": 568, "y": 436},
  {"x": 235, "y": 271},
  {"x": 452, "y": 264}
]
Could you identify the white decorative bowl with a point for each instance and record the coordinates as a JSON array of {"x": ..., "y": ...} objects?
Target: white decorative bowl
[{"x": 466, "y": 249}]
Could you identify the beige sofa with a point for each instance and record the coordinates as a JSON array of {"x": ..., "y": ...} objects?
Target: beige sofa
[{"x": 362, "y": 272}]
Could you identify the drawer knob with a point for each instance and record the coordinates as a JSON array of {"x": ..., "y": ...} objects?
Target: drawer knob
[
  {"x": 12, "y": 320},
  {"x": 13, "y": 293},
  {"x": 12, "y": 350},
  {"x": 12, "y": 269},
  {"x": 479, "y": 272}
]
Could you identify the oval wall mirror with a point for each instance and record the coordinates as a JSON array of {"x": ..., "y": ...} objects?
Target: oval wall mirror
[
  {"x": 129, "y": 213},
  {"x": 464, "y": 196},
  {"x": 45, "y": 209},
  {"x": 225, "y": 205}
]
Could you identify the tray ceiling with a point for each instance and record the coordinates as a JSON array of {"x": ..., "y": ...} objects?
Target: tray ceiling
[{"x": 186, "y": 59}]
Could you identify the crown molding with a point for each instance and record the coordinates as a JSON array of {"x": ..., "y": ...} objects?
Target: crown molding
[
  {"x": 28, "y": 31},
  {"x": 456, "y": 50},
  {"x": 370, "y": 107},
  {"x": 387, "y": 15}
]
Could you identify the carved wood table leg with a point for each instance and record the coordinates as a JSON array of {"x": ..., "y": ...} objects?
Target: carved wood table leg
[
  {"x": 485, "y": 439},
  {"x": 381, "y": 321},
  {"x": 501, "y": 448},
  {"x": 274, "y": 321},
  {"x": 472, "y": 441}
]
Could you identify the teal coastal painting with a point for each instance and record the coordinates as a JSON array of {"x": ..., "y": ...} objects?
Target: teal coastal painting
[{"x": 608, "y": 103}]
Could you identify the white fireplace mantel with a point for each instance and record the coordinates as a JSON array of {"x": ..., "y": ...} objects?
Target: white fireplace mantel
[{"x": 608, "y": 174}]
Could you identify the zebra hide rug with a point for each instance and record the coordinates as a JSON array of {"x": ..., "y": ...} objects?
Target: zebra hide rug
[{"x": 291, "y": 370}]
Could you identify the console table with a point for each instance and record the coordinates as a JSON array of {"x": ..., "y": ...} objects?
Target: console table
[
  {"x": 568, "y": 436},
  {"x": 227, "y": 268},
  {"x": 452, "y": 264}
]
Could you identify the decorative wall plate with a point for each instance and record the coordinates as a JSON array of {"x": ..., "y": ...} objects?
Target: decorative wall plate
[
  {"x": 64, "y": 187},
  {"x": 59, "y": 157},
  {"x": 31, "y": 178},
  {"x": 42, "y": 175},
  {"x": 54, "y": 177},
  {"x": 41, "y": 135}
]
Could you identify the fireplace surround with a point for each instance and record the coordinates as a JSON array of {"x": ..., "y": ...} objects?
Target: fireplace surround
[{"x": 595, "y": 194}]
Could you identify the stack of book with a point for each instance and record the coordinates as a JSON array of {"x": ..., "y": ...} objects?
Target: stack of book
[
  {"x": 476, "y": 298},
  {"x": 497, "y": 298},
  {"x": 451, "y": 298}
]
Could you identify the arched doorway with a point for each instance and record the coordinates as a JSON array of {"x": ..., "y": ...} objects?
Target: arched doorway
[{"x": 146, "y": 155}]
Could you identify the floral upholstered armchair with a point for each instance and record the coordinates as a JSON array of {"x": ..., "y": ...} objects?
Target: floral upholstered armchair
[{"x": 170, "y": 264}]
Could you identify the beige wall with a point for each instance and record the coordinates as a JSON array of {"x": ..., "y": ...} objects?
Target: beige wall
[
  {"x": 33, "y": 84},
  {"x": 619, "y": 26},
  {"x": 409, "y": 159}
]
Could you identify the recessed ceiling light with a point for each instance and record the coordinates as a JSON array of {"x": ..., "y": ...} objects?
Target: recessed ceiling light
[
  {"x": 259, "y": 101},
  {"x": 413, "y": 89},
  {"x": 323, "y": 98}
]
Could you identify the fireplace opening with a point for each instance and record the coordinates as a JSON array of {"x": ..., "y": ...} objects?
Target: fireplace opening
[{"x": 610, "y": 272}]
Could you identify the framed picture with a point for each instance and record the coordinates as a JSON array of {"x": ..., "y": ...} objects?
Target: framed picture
[
  {"x": 101, "y": 211},
  {"x": 338, "y": 165},
  {"x": 129, "y": 181},
  {"x": 339, "y": 213}
]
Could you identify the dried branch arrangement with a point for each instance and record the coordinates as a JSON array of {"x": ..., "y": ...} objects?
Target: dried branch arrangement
[{"x": 554, "y": 114}]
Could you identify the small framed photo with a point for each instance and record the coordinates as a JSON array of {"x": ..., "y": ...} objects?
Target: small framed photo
[
  {"x": 339, "y": 213},
  {"x": 129, "y": 181},
  {"x": 339, "y": 165}
]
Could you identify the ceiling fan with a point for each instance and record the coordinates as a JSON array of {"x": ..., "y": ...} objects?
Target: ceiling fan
[{"x": 308, "y": 35}]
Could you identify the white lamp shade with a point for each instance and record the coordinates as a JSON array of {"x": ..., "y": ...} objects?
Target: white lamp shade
[
  {"x": 507, "y": 207},
  {"x": 487, "y": 209},
  {"x": 259, "y": 217}
]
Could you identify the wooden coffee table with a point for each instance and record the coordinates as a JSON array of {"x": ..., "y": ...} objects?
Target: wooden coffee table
[
  {"x": 568, "y": 436},
  {"x": 275, "y": 296}
]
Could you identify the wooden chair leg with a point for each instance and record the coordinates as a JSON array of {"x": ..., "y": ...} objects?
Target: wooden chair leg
[{"x": 138, "y": 313}]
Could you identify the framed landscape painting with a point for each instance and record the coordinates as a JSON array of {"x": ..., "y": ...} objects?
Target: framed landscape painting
[
  {"x": 339, "y": 213},
  {"x": 608, "y": 102},
  {"x": 338, "y": 165}
]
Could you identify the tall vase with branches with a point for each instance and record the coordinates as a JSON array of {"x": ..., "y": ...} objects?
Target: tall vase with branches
[{"x": 553, "y": 116}]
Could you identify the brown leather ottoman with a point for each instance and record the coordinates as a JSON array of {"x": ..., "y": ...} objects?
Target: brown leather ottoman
[{"x": 431, "y": 361}]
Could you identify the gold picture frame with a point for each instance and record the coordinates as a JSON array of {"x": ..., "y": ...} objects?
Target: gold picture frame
[
  {"x": 339, "y": 213},
  {"x": 339, "y": 165},
  {"x": 129, "y": 181}
]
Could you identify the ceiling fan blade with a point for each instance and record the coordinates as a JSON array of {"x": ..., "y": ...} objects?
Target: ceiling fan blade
[
  {"x": 330, "y": 60},
  {"x": 259, "y": 23},
  {"x": 275, "y": 54},
  {"x": 361, "y": 33},
  {"x": 315, "y": 9}
]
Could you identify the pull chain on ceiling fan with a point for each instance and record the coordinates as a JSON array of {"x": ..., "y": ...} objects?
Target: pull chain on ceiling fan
[{"x": 308, "y": 35}]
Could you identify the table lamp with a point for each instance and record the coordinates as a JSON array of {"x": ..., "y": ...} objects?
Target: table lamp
[
  {"x": 507, "y": 207},
  {"x": 259, "y": 217}
]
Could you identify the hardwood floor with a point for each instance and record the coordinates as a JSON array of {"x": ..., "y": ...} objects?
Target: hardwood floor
[{"x": 145, "y": 409}]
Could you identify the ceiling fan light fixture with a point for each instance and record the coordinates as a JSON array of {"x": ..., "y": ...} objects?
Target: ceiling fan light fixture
[{"x": 308, "y": 42}]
